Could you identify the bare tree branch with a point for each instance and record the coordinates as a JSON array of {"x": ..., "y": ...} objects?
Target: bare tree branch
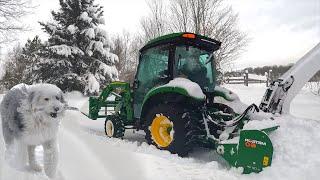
[
  {"x": 126, "y": 47},
  {"x": 11, "y": 11},
  {"x": 156, "y": 23},
  {"x": 212, "y": 18}
]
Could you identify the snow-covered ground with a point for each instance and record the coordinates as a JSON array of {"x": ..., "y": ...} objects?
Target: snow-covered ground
[{"x": 85, "y": 153}]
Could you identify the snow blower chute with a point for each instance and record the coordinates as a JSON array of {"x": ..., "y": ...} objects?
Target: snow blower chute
[{"x": 175, "y": 100}]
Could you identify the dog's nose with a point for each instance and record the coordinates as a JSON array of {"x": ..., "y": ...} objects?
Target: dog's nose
[{"x": 56, "y": 108}]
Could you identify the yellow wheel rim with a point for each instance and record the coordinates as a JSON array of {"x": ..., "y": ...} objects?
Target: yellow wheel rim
[
  {"x": 162, "y": 130},
  {"x": 109, "y": 128}
]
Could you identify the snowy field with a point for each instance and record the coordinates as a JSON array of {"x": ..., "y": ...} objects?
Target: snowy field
[{"x": 85, "y": 153}]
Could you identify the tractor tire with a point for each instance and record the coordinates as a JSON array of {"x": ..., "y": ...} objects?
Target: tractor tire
[
  {"x": 170, "y": 116},
  {"x": 197, "y": 134},
  {"x": 114, "y": 127}
]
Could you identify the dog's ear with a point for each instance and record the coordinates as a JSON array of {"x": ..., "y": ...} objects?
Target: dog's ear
[
  {"x": 62, "y": 99},
  {"x": 31, "y": 96}
]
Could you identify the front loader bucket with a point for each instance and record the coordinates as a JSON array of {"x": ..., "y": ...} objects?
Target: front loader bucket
[{"x": 252, "y": 151}]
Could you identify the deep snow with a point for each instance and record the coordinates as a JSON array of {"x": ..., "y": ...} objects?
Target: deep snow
[{"x": 85, "y": 153}]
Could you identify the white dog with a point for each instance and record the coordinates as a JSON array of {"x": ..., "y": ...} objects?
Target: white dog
[{"x": 31, "y": 116}]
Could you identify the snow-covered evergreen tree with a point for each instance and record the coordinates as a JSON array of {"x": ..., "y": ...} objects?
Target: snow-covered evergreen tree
[
  {"x": 78, "y": 51},
  {"x": 20, "y": 62},
  {"x": 30, "y": 55}
]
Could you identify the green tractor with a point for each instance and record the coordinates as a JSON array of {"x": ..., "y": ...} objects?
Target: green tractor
[{"x": 173, "y": 99}]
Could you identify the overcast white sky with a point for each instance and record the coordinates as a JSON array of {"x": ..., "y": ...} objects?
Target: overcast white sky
[{"x": 280, "y": 31}]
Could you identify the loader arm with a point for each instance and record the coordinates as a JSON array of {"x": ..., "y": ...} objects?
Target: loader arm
[
  {"x": 278, "y": 97},
  {"x": 124, "y": 100}
]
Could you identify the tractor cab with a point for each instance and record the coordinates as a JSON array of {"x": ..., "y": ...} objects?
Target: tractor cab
[{"x": 171, "y": 56}]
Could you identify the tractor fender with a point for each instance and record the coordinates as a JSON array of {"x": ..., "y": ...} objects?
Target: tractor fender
[
  {"x": 169, "y": 89},
  {"x": 229, "y": 98},
  {"x": 161, "y": 90},
  {"x": 181, "y": 86},
  {"x": 225, "y": 93},
  {"x": 166, "y": 95}
]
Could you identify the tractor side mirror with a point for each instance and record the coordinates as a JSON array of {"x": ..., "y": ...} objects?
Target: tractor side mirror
[{"x": 135, "y": 84}]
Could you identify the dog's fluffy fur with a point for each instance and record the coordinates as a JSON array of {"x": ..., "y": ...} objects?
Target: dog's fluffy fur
[{"x": 31, "y": 116}]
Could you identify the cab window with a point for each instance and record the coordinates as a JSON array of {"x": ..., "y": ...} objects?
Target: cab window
[
  {"x": 194, "y": 64},
  {"x": 152, "y": 72}
]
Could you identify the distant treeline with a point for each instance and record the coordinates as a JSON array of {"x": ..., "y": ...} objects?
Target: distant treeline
[{"x": 276, "y": 71}]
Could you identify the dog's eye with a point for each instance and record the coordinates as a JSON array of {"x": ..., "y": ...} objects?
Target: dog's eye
[
  {"x": 57, "y": 98},
  {"x": 46, "y": 99}
]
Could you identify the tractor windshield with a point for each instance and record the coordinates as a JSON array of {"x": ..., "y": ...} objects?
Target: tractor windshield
[{"x": 194, "y": 63}]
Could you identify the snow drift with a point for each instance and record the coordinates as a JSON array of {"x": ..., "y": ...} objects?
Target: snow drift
[{"x": 87, "y": 154}]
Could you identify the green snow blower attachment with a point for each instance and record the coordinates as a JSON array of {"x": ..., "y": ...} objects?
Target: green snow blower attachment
[
  {"x": 175, "y": 100},
  {"x": 252, "y": 152}
]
